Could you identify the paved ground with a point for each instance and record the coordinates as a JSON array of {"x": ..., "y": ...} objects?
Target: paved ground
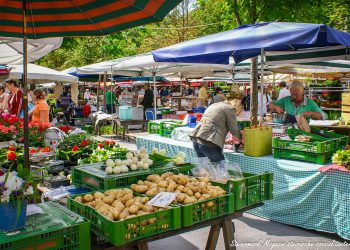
[{"x": 253, "y": 233}]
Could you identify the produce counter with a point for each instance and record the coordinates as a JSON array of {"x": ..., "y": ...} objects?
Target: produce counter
[{"x": 303, "y": 195}]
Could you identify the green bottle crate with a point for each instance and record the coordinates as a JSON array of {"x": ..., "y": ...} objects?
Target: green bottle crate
[
  {"x": 343, "y": 140},
  {"x": 94, "y": 177},
  {"x": 208, "y": 209},
  {"x": 168, "y": 127},
  {"x": 153, "y": 127},
  {"x": 252, "y": 189},
  {"x": 122, "y": 232},
  {"x": 319, "y": 144},
  {"x": 56, "y": 228},
  {"x": 318, "y": 158}
]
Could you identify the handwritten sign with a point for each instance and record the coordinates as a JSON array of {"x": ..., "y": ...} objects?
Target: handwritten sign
[{"x": 163, "y": 199}]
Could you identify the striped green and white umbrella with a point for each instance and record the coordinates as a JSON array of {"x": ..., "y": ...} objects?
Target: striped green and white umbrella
[{"x": 62, "y": 18}]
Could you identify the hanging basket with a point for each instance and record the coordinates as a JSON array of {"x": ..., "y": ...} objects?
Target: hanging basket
[{"x": 13, "y": 219}]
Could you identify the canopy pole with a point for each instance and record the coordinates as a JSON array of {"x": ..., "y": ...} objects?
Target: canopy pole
[
  {"x": 254, "y": 92},
  {"x": 25, "y": 89},
  {"x": 104, "y": 91},
  {"x": 111, "y": 89},
  {"x": 262, "y": 86},
  {"x": 98, "y": 93},
  {"x": 154, "y": 94}
]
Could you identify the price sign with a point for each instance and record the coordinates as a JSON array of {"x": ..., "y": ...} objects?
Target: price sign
[{"x": 163, "y": 199}]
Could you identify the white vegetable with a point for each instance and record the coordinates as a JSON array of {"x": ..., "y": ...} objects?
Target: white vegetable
[
  {"x": 145, "y": 165},
  {"x": 140, "y": 164},
  {"x": 143, "y": 150},
  {"x": 124, "y": 169},
  {"x": 179, "y": 160},
  {"x": 137, "y": 153},
  {"x": 129, "y": 155},
  {"x": 133, "y": 167},
  {"x": 116, "y": 170},
  {"x": 181, "y": 154},
  {"x": 118, "y": 162},
  {"x": 155, "y": 151},
  {"x": 145, "y": 156},
  {"x": 110, "y": 163},
  {"x": 144, "y": 160},
  {"x": 128, "y": 162},
  {"x": 150, "y": 162},
  {"x": 135, "y": 160},
  {"x": 109, "y": 170},
  {"x": 162, "y": 152}
]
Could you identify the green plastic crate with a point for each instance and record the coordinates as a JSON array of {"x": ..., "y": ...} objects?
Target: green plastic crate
[
  {"x": 208, "y": 209},
  {"x": 343, "y": 140},
  {"x": 122, "y": 232},
  {"x": 322, "y": 158},
  {"x": 56, "y": 228},
  {"x": 319, "y": 144},
  {"x": 153, "y": 127},
  {"x": 251, "y": 190},
  {"x": 94, "y": 177},
  {"x": 168, "y": 127}
]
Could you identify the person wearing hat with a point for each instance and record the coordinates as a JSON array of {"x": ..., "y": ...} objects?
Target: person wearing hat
[{"x": 209, "y": 135}]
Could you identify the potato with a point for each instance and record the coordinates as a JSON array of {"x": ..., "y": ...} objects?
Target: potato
[
  {"x": 161, "y": 190},
  {"x": 78, "y": 199},
  {"x": 139, "y": 188},
  {"x": 148, "y": 208},
  {"x": 152, "y": 192},
  {"x": 189, "y": 192},
  {"x": 197, "y": 195},
  {"x": 210, "y": 204},
  {"x": 141, "y": 212},
  {"x": 140, "y": 182},
  {"x": 180, "y": 197},
  {"x": 180, "y": 188},
  {"x": 139, "y": 205},
  {"x": 129, "y": 203},
  {"x": 108, "y": 192},
  {"x": 195, "y": 189},
  {"x": 148, "y": 183},
  {"x": 182, "y": 179},
  {"x": 153, "y": 178},
  {"x": 116, "y": 213},
  {"x": 117, "y": 203},
  {"x": 127, "y": 197},
  {"x": 152, "y": 221},
  {"x": 205, "y": 196},
  {"x": 108, "y": 199},
  {"x": 203, "y": 179},
  {"x": 144, "y": 200},
  {"x": 109, "y": 215},
  {"x": 213, "y": 193},
  {"x": 162, "y": 184},
  {"x": 88, "y": 198},
  {"x": 98, "y": 195},
  {"x": 134, "y": 209},
  {"x": 167, "y": 174},
  {"x": 129, "y": 217},
  {"x": 92, "y": 203},
  {"x": 137, "y": 199},
  {"x": 123, "y": 214},
  {"x": 189, "y": 200}
]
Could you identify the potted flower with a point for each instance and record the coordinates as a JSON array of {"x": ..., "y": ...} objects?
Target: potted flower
[{"x": 16, "y": 189}]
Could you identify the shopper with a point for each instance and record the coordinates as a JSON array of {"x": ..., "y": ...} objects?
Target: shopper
[
  {"x": 298, "y": 104},
  {"x": 203, "y": 95},
  {"x": 87, "y": 95},
  {"x": 219, "y": 96},
  {"x": 148, "y": 99},
  {"x": 15, "y": 98},
  {"x": 188, "y": 91},
  {"x": 210, "y": 133},
  {"x": 266, "y": 101},
  {"x": 284, "y": 92},
  {"x": 40, "y": 113},
  {"x": 110, "y": 102},
  {"x": 4, "y": 98}
]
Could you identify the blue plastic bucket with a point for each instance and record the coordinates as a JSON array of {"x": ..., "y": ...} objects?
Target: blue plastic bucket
[
  {"x": 125, "y": 112},
  {"x": 9, "y": 220}
]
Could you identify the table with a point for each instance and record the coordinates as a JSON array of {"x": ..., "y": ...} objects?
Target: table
[
  {"x": 125, "y": 125},
  {"x": 303, "y": 196},
  {"x": 223, "y": 222}
]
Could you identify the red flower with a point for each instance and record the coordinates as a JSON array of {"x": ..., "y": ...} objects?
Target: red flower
[
  {"x": 107, "y": 142},
  {"x": 84, "y": 143},
  {"x": 21, "y": 140},
  {"x": 45, "y": 150},
  {"x": 113, "y": 142},
  {"x": 11, "y": 156},
  {"x": 12, "y": 148},
  {"x": 33, "y": 150},
  {"x": 100, "y": 145},
  {"x": 75, "y": 148}
]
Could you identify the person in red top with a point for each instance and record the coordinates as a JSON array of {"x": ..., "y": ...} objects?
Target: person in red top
[
  {"x": 86, "y": 109},
  {"x": 15, "y": 98}
]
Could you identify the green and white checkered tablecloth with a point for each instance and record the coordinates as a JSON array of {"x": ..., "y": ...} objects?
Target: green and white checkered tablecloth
[{"x": 303, "y": 196}]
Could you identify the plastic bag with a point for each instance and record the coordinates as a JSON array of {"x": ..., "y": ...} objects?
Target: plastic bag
[{"x": 202, "y": 167}]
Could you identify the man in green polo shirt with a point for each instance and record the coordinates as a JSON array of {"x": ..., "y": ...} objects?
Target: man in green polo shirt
[
  {"x": 298, "y": 104},
  {"x": 110, "y": 102}
]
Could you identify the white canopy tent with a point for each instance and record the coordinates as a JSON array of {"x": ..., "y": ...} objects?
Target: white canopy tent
[
  {"x": 39, "y": 74},
  {"x": 11, "y": 49}
]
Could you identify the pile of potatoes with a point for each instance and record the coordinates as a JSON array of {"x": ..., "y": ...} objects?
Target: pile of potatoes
[
  {"x": 119, "y": 204},
  {"x": 189, "y": 189}
]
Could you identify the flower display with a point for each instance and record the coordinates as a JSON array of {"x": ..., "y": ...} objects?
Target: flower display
[
  {"x": 13, "y": 187},
  {"x": 75, "y": 148},
  {"x": 11, "y": 155}
]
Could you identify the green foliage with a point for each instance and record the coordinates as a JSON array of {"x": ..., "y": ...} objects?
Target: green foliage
[{"x": 191, "y": 19}]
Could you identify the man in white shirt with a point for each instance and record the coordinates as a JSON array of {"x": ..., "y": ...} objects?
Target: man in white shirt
[
  {"x": 284, "y": 92},
  {"x": 87, "y": 95}
]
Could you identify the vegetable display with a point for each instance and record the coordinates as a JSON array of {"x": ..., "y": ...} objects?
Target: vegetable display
[
  {"x": 188, "y": 189},
  {"x": 119, "y": 205},
  {"x": 342, "y": 158}
]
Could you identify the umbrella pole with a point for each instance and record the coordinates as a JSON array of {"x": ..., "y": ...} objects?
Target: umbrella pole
[
  {"x": 98, "y": 93},
  {"x": 25, "y": 89},
  {"x": 262, "y": 86},
  {"x": 254, "y": 91},
  {"x": 154, "y": 94},
  {"x": 104, "y": 91}
]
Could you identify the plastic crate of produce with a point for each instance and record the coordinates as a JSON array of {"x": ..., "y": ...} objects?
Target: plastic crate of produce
[
  {"x": 208, "y": 209},
  {"x": 94, "y": 177},
  {"x": 343, "y": 140},
  {"x": 153, "y": 127},
  {"x": 167, "y": 127},
  {"x": 56, "y": 228},
  {"x": 318, "y": 158},
  {"x": 319, "y": 144},
  {"x": 122, "y": 232},
  {"x": 252, "y": 189}
]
